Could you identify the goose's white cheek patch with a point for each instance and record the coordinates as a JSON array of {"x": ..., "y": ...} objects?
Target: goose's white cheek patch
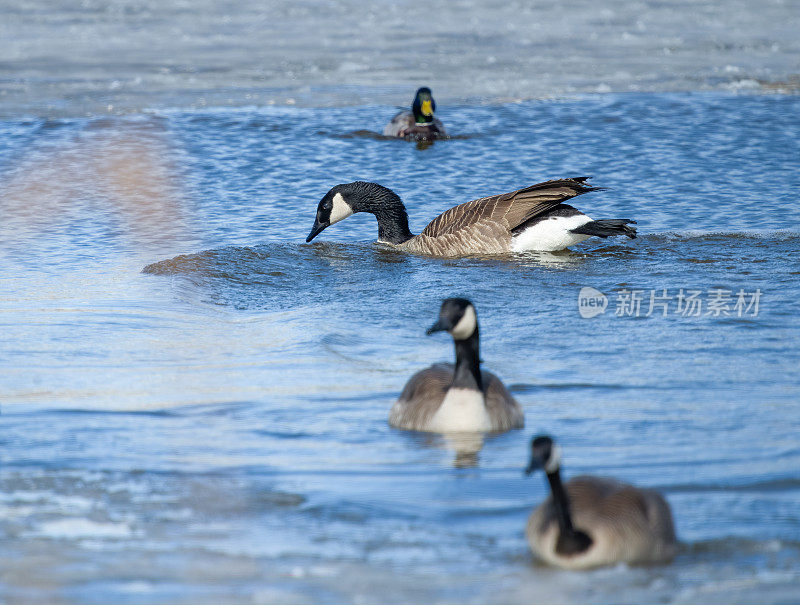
[
  {"x": 466, "y": 325},
  {"x": 341, "y": 209},
  {"x": 555, "y": 460}
]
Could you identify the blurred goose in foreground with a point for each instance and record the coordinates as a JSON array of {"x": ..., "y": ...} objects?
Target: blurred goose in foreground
[
  {"x": 419, "y": 124},
  {"x": 533, "y": 218},
  {"x": 462, "y": 398},
  {"x": 593, "y": 521}
]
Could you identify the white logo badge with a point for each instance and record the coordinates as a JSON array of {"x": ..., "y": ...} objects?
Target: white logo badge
[{"x": 591, "y": 302}]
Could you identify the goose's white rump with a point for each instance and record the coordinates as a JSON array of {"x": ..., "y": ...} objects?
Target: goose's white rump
[{"x": 551, "y": 234}]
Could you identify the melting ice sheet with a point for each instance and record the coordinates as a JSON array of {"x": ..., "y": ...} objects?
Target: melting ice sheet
[{"x": 116, "y": 57}]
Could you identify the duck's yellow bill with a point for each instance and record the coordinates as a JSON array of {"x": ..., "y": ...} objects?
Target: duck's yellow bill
[{"x": 426, "y": 108}]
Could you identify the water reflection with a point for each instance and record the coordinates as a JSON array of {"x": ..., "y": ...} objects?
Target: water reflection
[
  {"x": 465, "y": 447},
  {"x": 118, "y": 173}
]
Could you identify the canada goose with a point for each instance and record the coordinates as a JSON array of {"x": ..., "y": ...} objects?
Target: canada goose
[
  {"x": 613, "y": 522},
  {"x": 419, "y": 124},
  {"x": 533, "y": 218},
  {"x": 444, "y": 398}
]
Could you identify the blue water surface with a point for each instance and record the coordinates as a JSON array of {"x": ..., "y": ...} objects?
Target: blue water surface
[{"x": 194, "y": 401}]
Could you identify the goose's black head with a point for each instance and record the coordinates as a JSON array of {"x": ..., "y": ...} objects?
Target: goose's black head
[
  {"x": 423, "y": 106},
  {"x": 361, "y": 196},
  {"x": 332, "y": 208},
  {"x": 457, "y": 316},
  {"x": 545, "y": 455}
]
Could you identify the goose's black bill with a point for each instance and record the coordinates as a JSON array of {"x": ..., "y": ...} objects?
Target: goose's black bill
[
  {"x": 440, "y": 326},
  {"x": 316, "y": 230},
  {"x": 534, "y": 465}
]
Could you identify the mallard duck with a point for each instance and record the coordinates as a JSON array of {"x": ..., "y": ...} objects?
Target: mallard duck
[
  {"x": 595, "y": 521},
  {"x": 419, "y": 124},
  {"x": 533, "y": 218},
  {"x": 462, "y": 398}
]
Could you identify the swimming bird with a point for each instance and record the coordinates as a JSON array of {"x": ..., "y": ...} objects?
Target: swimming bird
[
  {"x": 462, "y": 398},
  {"x": 532, "y": 218},
  {"x": 419, "y": 124},
  {"x": 593, "y": 521}
]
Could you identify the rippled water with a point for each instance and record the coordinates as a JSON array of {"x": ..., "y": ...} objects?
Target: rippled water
[{"x": 194, "y": 401}]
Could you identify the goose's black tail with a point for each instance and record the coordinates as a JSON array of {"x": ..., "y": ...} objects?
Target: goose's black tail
[{"x": 608, "y": 226}]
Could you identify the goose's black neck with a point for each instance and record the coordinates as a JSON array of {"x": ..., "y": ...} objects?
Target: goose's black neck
[
  {"x": 561, "y": 502},
  {"x": 387, "y": 207},
  {"x": 570, "y": 541},
  {"x": 468, "y": 363}
]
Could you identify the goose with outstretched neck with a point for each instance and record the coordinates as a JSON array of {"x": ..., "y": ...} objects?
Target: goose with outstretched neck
[{"x": 532, "y": 218}]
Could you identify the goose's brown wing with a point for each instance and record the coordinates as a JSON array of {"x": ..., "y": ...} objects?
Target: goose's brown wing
[
  {"x": 503, "y": 409},
  {"x": 605, "y": 497},
  {"x": 638, "y": 520},
  {"x": 507, "y": 210},
  {"x": 421, "y": 397}
]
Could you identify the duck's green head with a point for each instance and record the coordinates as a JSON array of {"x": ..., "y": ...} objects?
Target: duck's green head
[{"x": 423, "y": 106}]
